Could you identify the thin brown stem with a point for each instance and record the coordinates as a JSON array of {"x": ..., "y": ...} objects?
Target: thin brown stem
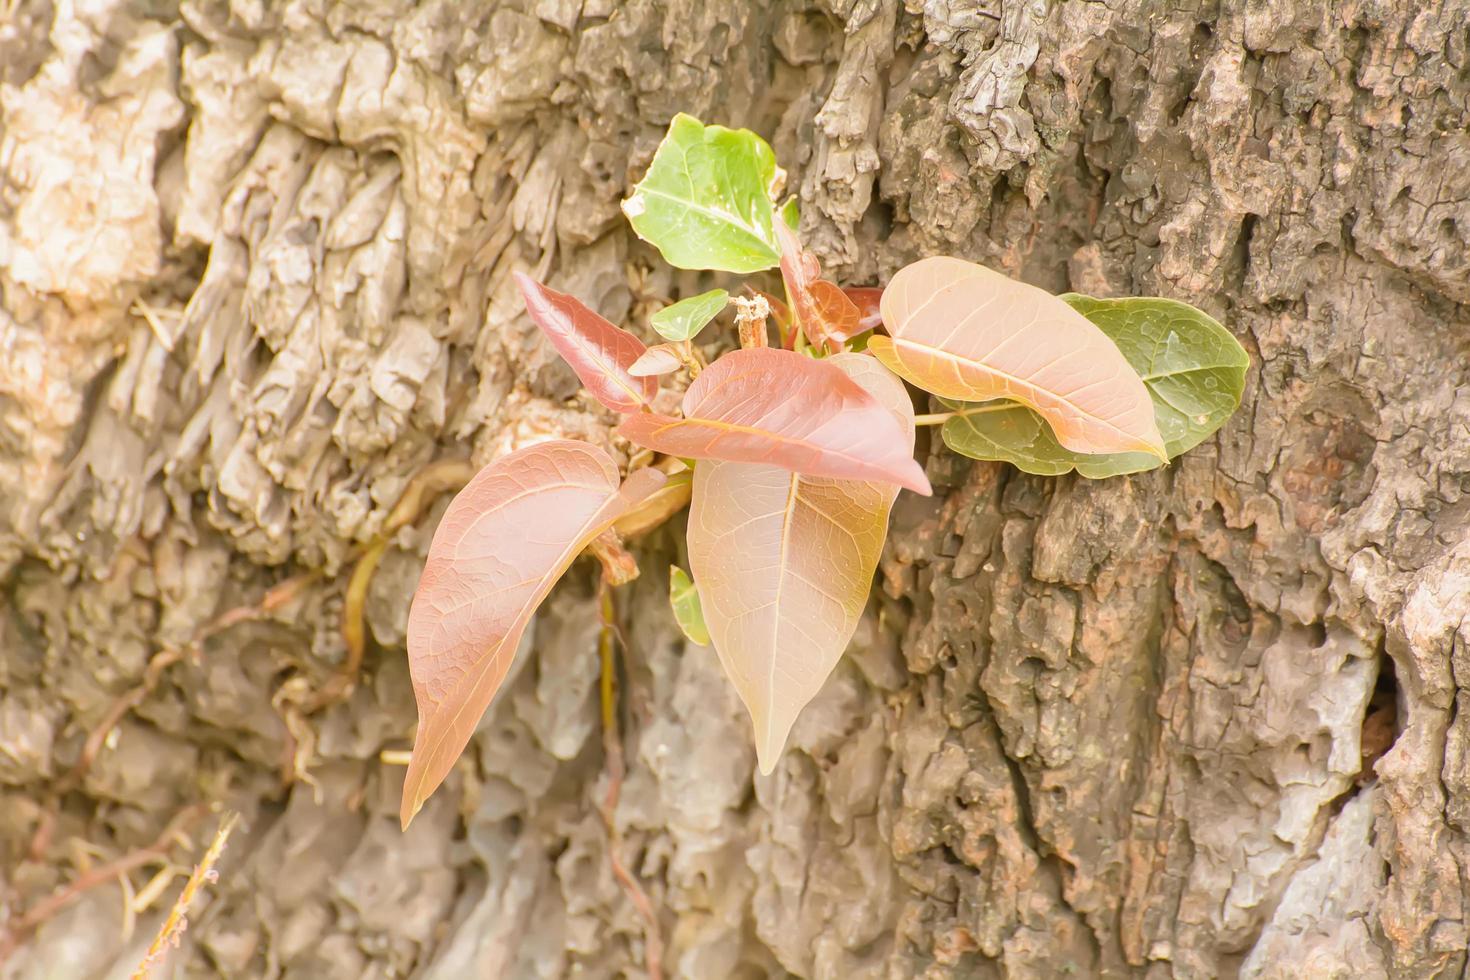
[
  {"x": 616, "y": 770},
  {"x": 33, "y": 918},
  {"x": 420, "y": 492}
]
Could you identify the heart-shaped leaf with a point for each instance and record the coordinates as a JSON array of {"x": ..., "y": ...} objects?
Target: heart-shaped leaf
[
  {"x": 1193, "y": 368},
  {"x": 784, "y": 564},
  {"x": 961, "y": 331},
  {"x": 705, "y": 202},
  {"x": 503, "y": 542},
  {"x": 599, "y": 352},
  {"x": 824, "y": 313},
  {"x": 774, "y": 406},
  {"x": 688, "y": 613},
  {"x": 684, "y": 319}
]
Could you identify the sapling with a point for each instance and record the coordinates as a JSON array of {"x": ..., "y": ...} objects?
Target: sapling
[{"x": 797, "y": 450}]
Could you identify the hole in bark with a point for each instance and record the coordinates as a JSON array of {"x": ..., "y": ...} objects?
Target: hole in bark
[
  {"x": 1381, "y": 723},
  {"x": 1241, "y": 254},
  {"x": 1448, "y": 231}
]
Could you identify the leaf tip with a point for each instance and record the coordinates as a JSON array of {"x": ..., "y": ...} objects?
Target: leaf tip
[
  {"x": 771, "y": 733},
  {"x": 412, "y": 803},
  {"x": 768, "y": 753},
  {"x": 918, "y": 481}
]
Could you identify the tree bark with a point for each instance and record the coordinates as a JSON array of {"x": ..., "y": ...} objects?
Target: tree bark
[{"x": 1206, "y": 721}]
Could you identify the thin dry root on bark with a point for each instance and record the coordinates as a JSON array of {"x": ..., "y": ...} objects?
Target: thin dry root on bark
[
  {"x": 607, "y": 639},
  {"x": 37, "y": 915}
]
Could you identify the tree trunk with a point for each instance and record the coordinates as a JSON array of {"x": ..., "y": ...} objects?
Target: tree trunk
[{"x": 1206, "y": 721}]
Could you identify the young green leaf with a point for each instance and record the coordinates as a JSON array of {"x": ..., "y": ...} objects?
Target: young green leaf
[
  {"x": 774, "y": 406},
  {"x": 1193, "y": 368},
  {"x": 784, "y": 564},
  {"x": 684, "y": 599},
  {"x": 503, "y": 542},
  {"x": 791, "y": 213},
  {"x": 684, "y": 319},
  {"x": 705, "y": 202},
  {"x": 824, "y": 313},
  {"x": 964, "y": 332},
  {"x": 599, "y": 352}
]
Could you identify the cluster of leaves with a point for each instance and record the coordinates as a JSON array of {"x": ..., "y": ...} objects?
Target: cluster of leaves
[{"x": 797, "y": 450}]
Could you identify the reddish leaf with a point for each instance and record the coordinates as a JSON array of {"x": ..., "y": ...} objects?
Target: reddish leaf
[
  {"x": 599, "y": 352},
  {"x": 964, "y": 332},
  {"x": 775, "y": 406},
  {"x": 866, "y": 299},
  {"x": 824, "y": 312},
  {"x": 504, "y": 541},
  {"x": 784, "y": 564},
  {"x": 658, "y": 359}
]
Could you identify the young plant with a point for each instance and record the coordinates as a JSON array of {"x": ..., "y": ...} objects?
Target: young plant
[{"x": 798, "y": 451}]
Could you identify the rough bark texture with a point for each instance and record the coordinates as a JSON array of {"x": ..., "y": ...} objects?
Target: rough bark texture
[{"x": 255, "y": 261}]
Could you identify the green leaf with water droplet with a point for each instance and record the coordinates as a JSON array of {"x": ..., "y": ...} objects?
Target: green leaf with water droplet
[
  {"x": 687, "y": 611},
  {"x": 684, "y": 319},
  {"x": 1193, "y": 368},
  {"x": 705, "y": 202}
]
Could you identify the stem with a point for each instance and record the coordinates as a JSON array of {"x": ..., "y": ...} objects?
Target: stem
[
  {"x": 690, "y": 356},
  {"x": 939, "y": 418}
]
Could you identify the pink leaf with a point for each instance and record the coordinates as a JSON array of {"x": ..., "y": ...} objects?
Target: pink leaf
[
  {"x": 962, "y": 331},
  {"x": 774, "y": 406},
  {"x": 784, "y": 564},
  {"x": 824, "y": 312},
  {"x": 658, "y": 359},
  {"x": 599, "y": 352},
  {"x": 504, "y": 541}
]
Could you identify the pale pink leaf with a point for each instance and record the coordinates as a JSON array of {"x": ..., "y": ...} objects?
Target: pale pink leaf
[
  {"x": 774, "y": 406},
  {"x": 784, "y": 565},
  {"x": 598, "y": 351},
  {"x": 964, "y": 332},
  {"x": 658, "y": 359},
  {"x": 502, "y": 543}
]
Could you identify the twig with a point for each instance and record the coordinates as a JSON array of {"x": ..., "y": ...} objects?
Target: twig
[
  {"x": 34, "y": 917},
  {"x": 616, "y": 770},
  {"x": 173, "y": 926},
  {"x": 750, "y": 320}
]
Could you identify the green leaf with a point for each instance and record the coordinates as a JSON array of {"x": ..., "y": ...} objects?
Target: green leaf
[
  {"x": 687, "y": 611},
  {"x": 705, "y": 202},
  {"x": 791, "y": 213},
  {"x": 1193, "y": 368},
  {"x": 687, "y": 317}
]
